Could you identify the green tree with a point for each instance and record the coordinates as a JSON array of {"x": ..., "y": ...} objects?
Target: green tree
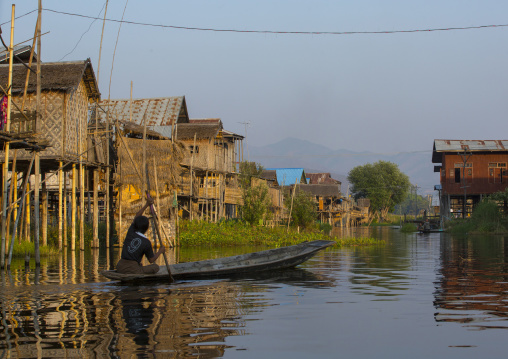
[
  {"x": 256, "y": 204},
  {"x": 382, "y": 182},
  {"x": 256, "y": 199},
  {"x": 303, "y": 210},
  {"x": 247, "y": 171}
]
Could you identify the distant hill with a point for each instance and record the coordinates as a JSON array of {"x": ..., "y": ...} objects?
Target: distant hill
[{"x": 293, "y": 152}]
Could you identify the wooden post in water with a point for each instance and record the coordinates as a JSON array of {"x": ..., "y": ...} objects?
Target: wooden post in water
[
  {"x": 73, "y": 208},
  {"x": 82, "y": 206},
  {"x": 6, "y": 149},
  {"x": 44, "y": 210},
  {"x": 95, "y": 207},
  {"x": 65, "y": 210}
]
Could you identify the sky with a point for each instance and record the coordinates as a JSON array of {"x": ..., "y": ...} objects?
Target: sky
[{"x": 378, "y": 92}]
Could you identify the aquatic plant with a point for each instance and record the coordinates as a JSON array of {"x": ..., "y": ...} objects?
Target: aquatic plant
[
  {"x": 232, "y": 233},
  {"x": 408, "y": 228}
]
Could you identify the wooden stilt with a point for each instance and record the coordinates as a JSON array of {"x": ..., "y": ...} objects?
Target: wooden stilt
[
  {"x": 44, "y": 224},
  {"x": 65, "y": 218},
  {"x": 82, "y": 207},
  {"x": 60, "y": 205},
  {"x": 37, "y": 209},
  {"x": 73, "y": 206},
  {"x": 96, "y": 208}
]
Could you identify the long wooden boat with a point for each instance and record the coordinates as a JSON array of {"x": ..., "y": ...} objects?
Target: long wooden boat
[{"x": 271, "y": 259}]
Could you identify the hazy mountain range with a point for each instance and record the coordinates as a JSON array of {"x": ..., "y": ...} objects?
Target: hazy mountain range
[{"x": 293, "y": 152}]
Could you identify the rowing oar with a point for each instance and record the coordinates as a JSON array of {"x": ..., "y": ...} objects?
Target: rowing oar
[{"x": 154, "y": 218}]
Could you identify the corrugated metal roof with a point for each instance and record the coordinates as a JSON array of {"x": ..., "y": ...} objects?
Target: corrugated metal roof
[
  {"x": 158, "y": 111},
  {"x": 441, "y": 146},
  {"x": 288, "y": 176}
]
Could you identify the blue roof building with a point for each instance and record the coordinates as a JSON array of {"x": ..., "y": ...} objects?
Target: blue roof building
[{"x": 288, "y": 176}]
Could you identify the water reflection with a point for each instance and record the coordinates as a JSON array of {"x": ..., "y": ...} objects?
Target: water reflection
[{"x": 473, "y": 283}]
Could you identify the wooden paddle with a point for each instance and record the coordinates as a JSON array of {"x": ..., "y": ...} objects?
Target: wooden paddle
[{"x": 157, "y": 234}]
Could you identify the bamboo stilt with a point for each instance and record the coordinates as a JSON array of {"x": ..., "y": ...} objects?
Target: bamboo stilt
[
  {"x": 73, "y": 207},
  {"x": 60, "y": 205},
  {"x": 65, "y": 218},
  {"x": 6, "y": 149},
  {"x": 37, "y": 209},
  {"x": 44, "y": 224},
  {"x": 82, "y": 207},
  {"x": 96, "y": 208}
]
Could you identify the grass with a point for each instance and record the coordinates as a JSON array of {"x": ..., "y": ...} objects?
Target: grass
[
  {"x": 232, "y": 233},
  {"x": 408, "y": 228}
]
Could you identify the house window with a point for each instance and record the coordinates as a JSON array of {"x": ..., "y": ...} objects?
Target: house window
[{"x": 192, "y": 149}]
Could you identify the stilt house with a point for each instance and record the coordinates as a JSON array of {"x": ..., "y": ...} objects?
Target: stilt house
[{"x": 469, "y": 170}]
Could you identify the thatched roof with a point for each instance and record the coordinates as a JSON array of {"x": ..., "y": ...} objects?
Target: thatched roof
[
  {"x": 186, "y": 131},
  {"x": 322, "y": 190},
  {"x": 157, "y": 111},
  {"x": 55, "y": 76},
  {"x": 321, "y": 178}
]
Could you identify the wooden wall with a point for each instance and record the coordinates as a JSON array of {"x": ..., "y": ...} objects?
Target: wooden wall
[{"x": 480, "y": 175}]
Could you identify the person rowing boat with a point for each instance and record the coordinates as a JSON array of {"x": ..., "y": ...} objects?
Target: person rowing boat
[{"x": 136, "y": 244}]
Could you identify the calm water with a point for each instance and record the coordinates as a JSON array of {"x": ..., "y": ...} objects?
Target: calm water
[{"x": 419, "y": 296}]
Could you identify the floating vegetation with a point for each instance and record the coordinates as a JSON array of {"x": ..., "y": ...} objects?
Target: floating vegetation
[{"x": 233, "y": 233}]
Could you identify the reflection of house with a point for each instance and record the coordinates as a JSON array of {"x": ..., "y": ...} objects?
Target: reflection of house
[{"x": 470, "y": 169}]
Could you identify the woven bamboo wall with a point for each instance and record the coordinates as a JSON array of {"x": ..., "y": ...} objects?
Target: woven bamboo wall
[{"x": 75, "y": 127}]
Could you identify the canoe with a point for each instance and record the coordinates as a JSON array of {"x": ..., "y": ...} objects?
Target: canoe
[
  {"x": 432, "y": 230},
  {"x": 271, "y": 259}
]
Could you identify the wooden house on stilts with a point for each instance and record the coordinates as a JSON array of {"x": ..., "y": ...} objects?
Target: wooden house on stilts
[{"x": 67, "y": 90}]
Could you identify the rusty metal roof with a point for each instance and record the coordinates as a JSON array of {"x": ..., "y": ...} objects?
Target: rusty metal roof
[
  {"x": 441, "y": 146},
  {"x": 158, "y": 111}
]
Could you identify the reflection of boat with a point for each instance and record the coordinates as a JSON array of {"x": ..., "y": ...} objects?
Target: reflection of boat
[{"x": 271, "y": 259}]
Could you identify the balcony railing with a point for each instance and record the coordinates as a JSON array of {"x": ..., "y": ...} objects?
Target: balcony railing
[{"x": 21, "y": 124}]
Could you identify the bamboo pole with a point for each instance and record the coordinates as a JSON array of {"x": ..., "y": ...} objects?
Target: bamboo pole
[
  {"x": 73, "y": 208},
  {"x": 82, "y": 205},
  {"x": 60, "y": 208},
  {"x": 44, "y": 210},
  {"x": 156, "y": 233},
  {"x": 6, "y": 149},
  {"x": 12, "y": 194},
  {"x": 65, "y": 210},
  {"x": 291, "y": 208},
  {"x": 96, "y": 207},
  {"x": 20, "y": 213},
  {"x": 190, "y": 189},
  {"x": 37, "y": 127}
]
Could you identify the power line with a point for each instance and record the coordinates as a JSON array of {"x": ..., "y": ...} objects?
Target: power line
[
  {"x": 283, "y": 32},
  {"x": 89, "y": 27}
]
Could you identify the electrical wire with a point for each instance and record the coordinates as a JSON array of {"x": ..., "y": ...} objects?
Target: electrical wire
[
  {"x": 89, "y": 27},
  {"x": 19, "y": 17},
  {"x": 283, "y": 32}
]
